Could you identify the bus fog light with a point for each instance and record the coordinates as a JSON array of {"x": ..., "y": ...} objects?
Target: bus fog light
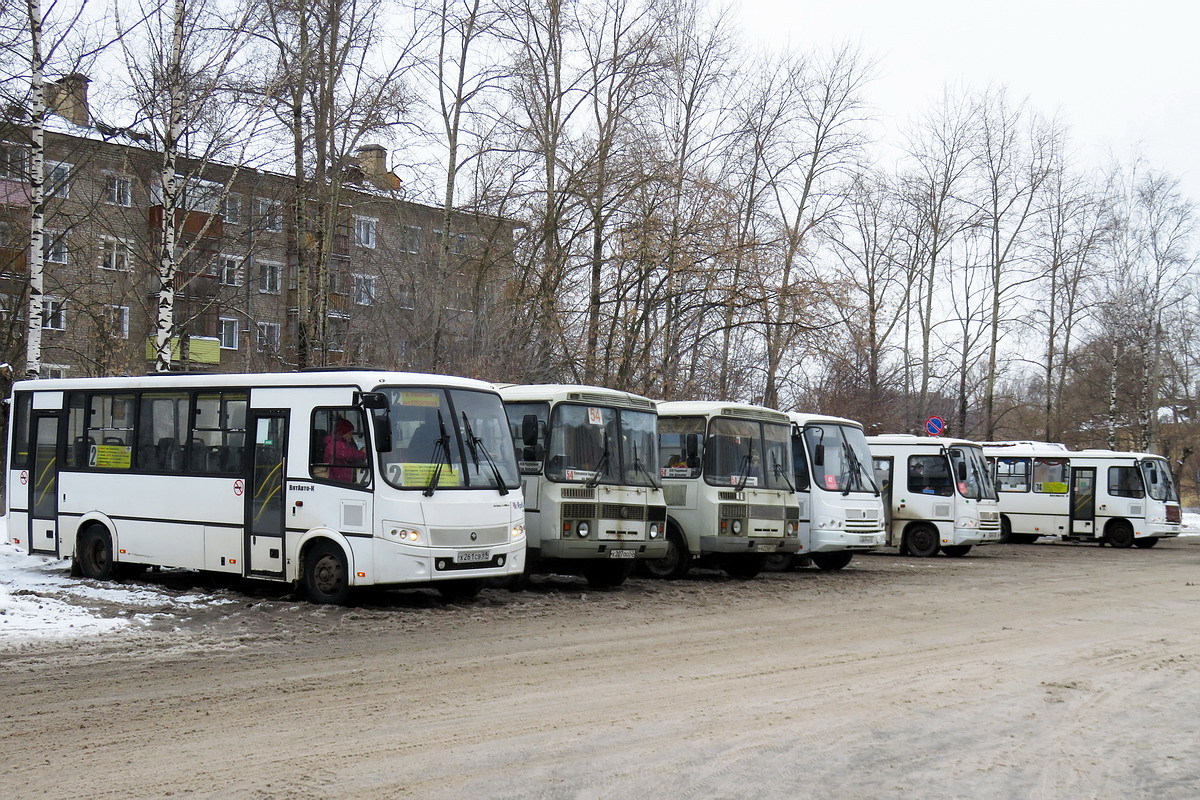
[
  {"x": 654, "y": 531},
  {"x": 582, "y": 530},
  {"x": 736, "y": 527}
]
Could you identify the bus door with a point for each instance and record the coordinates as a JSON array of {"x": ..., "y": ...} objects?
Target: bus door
[
  {"x": 43, "y": 484},
  {"x": 883, "y": 477},
  {"x": 1083, "y": 501},
  {"x": 265, "y": 488}
]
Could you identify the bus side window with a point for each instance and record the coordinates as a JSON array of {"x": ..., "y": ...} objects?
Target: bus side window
[{"x": 1125, "y": 482}]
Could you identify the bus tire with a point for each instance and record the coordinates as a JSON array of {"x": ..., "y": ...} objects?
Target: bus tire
[
  {"x": 94, "y": 553},
  {"x": 673, "y": 565},
  {"x": 922, "y": 541},
  {"x": 463, "y": 589},
  {"x": 956, "y": 550},
  {"x": 608, "y": 574},
  {"x": 1146, "y": 543},
  {"x": 326, "y": 576},
  {"x": 780, "y": 562},
  {"x": 830, "y": 562},
  {"x": 1120, "y": 535},
  {"x": 1006, "y": 534},
  {"x": 742, "y": 566}
]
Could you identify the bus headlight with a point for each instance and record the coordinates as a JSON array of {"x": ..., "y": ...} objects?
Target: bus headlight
[
  {"x": 582, "y": 530},
  {"x": 736, "y": 527},
  {"x": 791, "y": 529},
  {"x": 518, "y": 531},
  {"x": 408, "y": 534},
  {"x": 968, "y": 522},
  {"x": 654, "y": 530}
]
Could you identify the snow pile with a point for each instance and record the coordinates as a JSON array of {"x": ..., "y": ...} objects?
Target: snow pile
[{"x": 1191, "y": 524}]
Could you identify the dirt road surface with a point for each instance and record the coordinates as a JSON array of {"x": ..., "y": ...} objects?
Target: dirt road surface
[{"x": 1035, "y": 671}]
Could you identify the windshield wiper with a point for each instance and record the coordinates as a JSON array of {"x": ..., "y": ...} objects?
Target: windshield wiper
[
  {"x": 859, "y": 471},
  {"x": 779, "y": 471},
  {"x": 476, "y": 444},
  {"x": 441, "y": 453},
  {"x": 745, "y": 470},
  {"x": 637, "y": 464},
  {"x": 602, "y": 465}
]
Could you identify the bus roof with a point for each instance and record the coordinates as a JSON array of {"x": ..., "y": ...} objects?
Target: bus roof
[
  {"x": 711, "y": 408},
  {"x": 807, "y": 419},
  {"x": 566, "y": 392},
  {"x": 912, "y": 440},
  {"x": 1057, "y": 450},
  {"x": 366, "y": 380}
]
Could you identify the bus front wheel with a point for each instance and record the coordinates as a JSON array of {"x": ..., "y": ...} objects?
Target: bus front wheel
[
  {"x": 780, "y": 562},
  {"x": 742, "y": 566},
  {"x": 325, "y": 574},
  {"x": 95, "y": 554},
  {"x": 922, "y": 541},
  {"x": 1120, "y": 534},
  {"x": 836, "y": 560},
  {"x": 673, "y": 565}
]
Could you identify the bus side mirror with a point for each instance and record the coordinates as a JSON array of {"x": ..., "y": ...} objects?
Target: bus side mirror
[
  {"x": 692, "y": 446},
  {"x": 381, "y": 412},
  {"x": 373, "y": 401},
  {"x": 819, "y": 455},
  {"x": 961, "y": 472},
  {"x": 529, "y": 430}
]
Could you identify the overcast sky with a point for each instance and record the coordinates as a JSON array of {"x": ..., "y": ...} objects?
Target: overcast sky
[{"x": 1120, "y": 74}]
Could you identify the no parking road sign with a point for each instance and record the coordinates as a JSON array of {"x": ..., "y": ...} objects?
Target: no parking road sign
[{"x": 934, "y": 426}]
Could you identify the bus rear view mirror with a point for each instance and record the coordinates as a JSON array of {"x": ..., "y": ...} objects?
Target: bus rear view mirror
[
  {"x": 692, "y": 444},
  {"x": 529, "y": 430},
  {"x": 962, "y": 470},
  {"x": 819, "y": 455},
  {"x": 374, "y": 401}
]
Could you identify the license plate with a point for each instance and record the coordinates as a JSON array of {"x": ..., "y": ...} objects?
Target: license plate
[
  {"x": 472, "y": 556},
  {"x": 766, "y": 548},
  {"x": 620, "y": 554}
]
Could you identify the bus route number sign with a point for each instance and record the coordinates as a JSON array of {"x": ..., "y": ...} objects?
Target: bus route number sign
[{"x": 934, "y": 426}]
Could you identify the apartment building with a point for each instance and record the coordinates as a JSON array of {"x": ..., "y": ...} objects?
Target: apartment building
[{"x": 378, "y": 299}]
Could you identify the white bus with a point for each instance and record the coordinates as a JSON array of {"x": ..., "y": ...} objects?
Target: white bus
[
  {"x": 938, "y": 494},
  {"x": 1102, "y": 496},
  {"x": 589, "y": 469},
  {"x": 329, "y": 479},
  {"x": 841, "y": 507},
  {"x": 727, "y": 481}
]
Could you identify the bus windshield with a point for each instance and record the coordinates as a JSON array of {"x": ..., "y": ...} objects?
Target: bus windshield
[
  {"x": 971, "y": 474},
  {"x": 599, "y": 444},
  {"x": 448, "y": 439},
  {"x": 1158, "y": 480},
  {"x": 743, "y": 453},
  {"x": 843, "y": 462}
]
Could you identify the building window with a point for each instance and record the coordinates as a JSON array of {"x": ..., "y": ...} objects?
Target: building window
[
  {"x": 364, "y": 289},
  {"x": 229, "y": 333},
  {"x": 270, "y": 273},
  {"x": 114, "y": 254},
  {"x": 458, "y": 242},
  {"x": 117, "y": 322},
  {"x": 14, "y": 161},
  {"x": 118, "y": 190},
  {"x": 231, "y": 209},
  {"x": 268, "y": 337},
  {"x": 411, "y": 239},
  {"x": 229, "y": 271},
  {"x": 338, "y": 329},
  {"x": 270, "y": 213},
  {"x": 56, "y": 246},
  {"x": 364, "y": 231},
  {"x": 52, "y": 371},
  {"x": 54, "y": 314},
  {"x": 404, "y": 299},
  {"x": 58, "y": 179},
  {"x": 403, "y": 351}
]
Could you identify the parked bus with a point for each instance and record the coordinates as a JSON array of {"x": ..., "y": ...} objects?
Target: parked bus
[
  {"x": 329, "y": 479},
  {"x": 938, "y": 494},
  {"x": 841, "y": 508},
  {"x": 727, "y": 482},
  {"x": 1102, "y": 496},
  {"x": 589, "y": 470}
]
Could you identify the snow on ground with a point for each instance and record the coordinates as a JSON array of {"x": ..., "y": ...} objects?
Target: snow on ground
[{"x": 40, "y": 600}]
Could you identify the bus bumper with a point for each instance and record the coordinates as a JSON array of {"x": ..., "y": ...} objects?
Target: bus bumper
[
  {"x": 581, "y": 549},
  {"x": 1157, "y": 530},
  {"x": 827, "y": 541},
  {"x": 749, "y": 544},
  {"x": 972, "y": 536}
]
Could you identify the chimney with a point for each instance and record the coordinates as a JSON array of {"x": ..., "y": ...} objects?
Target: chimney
[
  {"x": 68, "y": 98},
  {"x": 372, "y": 159}
]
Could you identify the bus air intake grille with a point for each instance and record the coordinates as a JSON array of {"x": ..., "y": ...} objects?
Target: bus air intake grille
[
  {"x": 656, "y": 513},
  {"x": 578, "y": 494},
  {"x": 461, "y": 537},
  {"x": 767, "y": 512},
  {"x": 579, "y": 510},
  {"x": 731, "y": 511},
  {"x": 1173, "y": 514},
  {"x": 620, "y": 511},
  {"x": 674, "y": 494},
  {"x": 727, "y": 495},
  {"x": 792, "y": 513}
]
